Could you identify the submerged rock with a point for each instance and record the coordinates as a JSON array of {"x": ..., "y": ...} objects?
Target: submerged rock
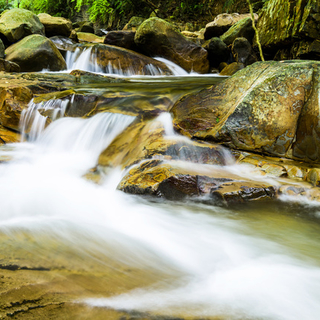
[
  {"x": 16, "y": 24},
  {"x": 270, "y": 108},
  {"x": 35, "y": 53},
  {"x": 156, "y": 37}
]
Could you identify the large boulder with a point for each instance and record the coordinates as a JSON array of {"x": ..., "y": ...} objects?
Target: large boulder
[
  {"x": 242, "y": 51},
  {"x": 35, "y": 53},
  {"x": 283, "y": 22},
  {"x": 16, "y": 24},
  {"x": 123, "y": 61},
  {"x": 150, "y": 142},
  {"x": 242, "y": 28},
  {"x": 156, "y": 37},
  {"x": 176, "y": 181},
  {"x": 270, "y": 107},
  {"x": 218, "y": 51},
  {"x": 223, "y": 22},
  {"x": 124, "y": 39},
  {"x": 55, "y": 26}
]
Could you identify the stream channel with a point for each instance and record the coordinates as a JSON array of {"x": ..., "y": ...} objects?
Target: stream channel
[{"x": 73, "y": 249}]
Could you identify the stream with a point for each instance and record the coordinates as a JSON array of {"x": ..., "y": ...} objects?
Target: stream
[{"x": 88, "y": 251}]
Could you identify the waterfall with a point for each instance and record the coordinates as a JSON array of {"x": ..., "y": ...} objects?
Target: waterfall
[
  {"x": 203, "y": 261},
  {"x": 32, "y": 122},
  {"x": 85, "y": 58}
]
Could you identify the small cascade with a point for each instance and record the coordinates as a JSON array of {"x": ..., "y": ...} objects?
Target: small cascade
[
  {"x": 33, "y": 120},
  {"x": 82, "y": 59},
  {"x": 85, "y": 58},
  {"x": 188, "y": 150},
  {"x": 77, "y": 135},
  {"x": 176, "y": 70}
]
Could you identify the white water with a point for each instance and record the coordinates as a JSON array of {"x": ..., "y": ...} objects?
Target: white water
[
  {"x": 221, "y": 266},
  {"x": 85, "y": 59}
]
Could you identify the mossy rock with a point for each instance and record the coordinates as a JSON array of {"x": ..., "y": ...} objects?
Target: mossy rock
[
  {"x": 157, "y": 37},
  {"x": 16, "y": 24},
  {"x": 268, "y": 107},
  {"x": 55, "y": 26},
  {"x": 35, "y": 53}
]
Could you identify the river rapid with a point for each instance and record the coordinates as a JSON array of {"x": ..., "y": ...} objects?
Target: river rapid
[{"x": 102, "y": 250}]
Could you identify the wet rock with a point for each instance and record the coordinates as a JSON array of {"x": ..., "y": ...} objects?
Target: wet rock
[
  {"x": 242, "y": 51},
  {"x": 2, "y": 49},
  {"x": 134, "y": 23},
  {"x": 84, "y": 26},
  {"x": 222, "y": 23},
  {"x": 64, "y": 43},
  {"x": 232, "y": 68},
  {"x": 177, "y": 181},
  {"x": 217, "y": 51},
  {"x": 258, "y": 109},
  {"x": 127, "y": 61},
  {"x": 309, "y": 50},
  {"x": 89, "y": 37},
  {"x": 242, "y": 28},
  {"x": 156, "y": 37},
  {"x": 151, "y": 143},
  {"x": 8, "y": 136},
  {"x": 9, "y": 66},
  {"x": 124, "y": 39},
  {"x": 12, "y": 102},
  {"x": 313, "y": 177},
  {"x": 283, "y": 22},
  {"x": 55, "y": 26},
  {"x": 16, "y": 24},
  {"x": 35, "y": 53}
]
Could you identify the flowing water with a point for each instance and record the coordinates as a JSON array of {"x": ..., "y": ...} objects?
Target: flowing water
[{"x": 90, "y": 249}]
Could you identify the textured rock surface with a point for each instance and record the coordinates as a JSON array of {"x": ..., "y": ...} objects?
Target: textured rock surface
[
  {"x": 242, "y": 28},
  {"x": 269, "y": 107},
  {"x": 222, "y": 23},
  {"x": 156, "y": 37},
  {"x": 124, "y": 39},
  {"x": 16, "y": 24},
  {"x": 176, "y": 181},
  {"x": 283, "y": 22},
  {"x": 55, "y": 26},
  {"x": 128, "y": 61},
  {"x": 35, "y": 53}
]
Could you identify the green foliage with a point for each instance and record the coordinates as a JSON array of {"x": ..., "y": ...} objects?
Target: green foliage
[{"x": 5, "y": 5}]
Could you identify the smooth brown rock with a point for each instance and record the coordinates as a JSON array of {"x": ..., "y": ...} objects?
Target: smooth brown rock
[
  {"x": 124, "y": 39},
  {"x": 89, "y": 37},
  {"x": 232, "y": 68}
]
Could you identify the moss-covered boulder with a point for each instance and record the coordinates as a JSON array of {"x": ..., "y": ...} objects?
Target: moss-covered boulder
[
  {"x": 112, "y": 58},
  {"x": 270, "y": 107},
  {"x": 223, "y": 22},
  {"x": 218, "y": 51},
  {"x": 35, "y": 53},
  {"x": 242, "y": 28},
  {"x": 55, "y": 26},
  {"x": 156, "y": 37},
  {"x": 283, "y": 22},
  {"x": 16, "y": 24}
]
